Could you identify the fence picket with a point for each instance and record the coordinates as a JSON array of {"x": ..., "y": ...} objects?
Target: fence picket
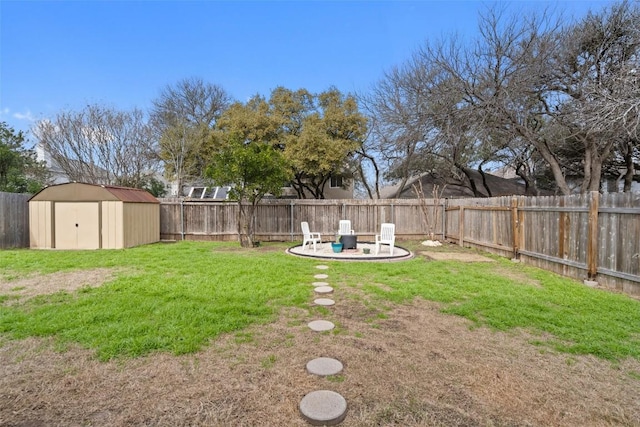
[{"x": 14, "y": 220}]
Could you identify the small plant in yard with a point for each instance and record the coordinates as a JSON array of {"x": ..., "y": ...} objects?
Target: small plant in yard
[
  {"x": 336, "y": 378},
  {"x": 269, "y": 361}
]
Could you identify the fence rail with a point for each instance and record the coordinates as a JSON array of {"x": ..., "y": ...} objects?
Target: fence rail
[
  {"x": 14, "y": 220},
  {"x": 589, "y": 236}
]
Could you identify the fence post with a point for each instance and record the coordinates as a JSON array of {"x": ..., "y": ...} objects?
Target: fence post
[
  {"x": 592, "y": 238},
  {"x": 182, "y": 218},
  {"x": 393, "y": 213},
  {"x": 562, "y": 231},
  {"x": 461, "y": 226},
  {"x": 444, "y": 218},
  {"x": 291, "y": 218},
  {"x": 515, "y": 229}
]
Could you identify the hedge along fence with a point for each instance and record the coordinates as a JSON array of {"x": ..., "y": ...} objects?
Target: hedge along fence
[{"x": 14, "y": 220}]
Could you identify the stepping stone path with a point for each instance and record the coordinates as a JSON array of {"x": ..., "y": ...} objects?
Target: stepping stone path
[
  {"x": 327, "y": 302},
  {"x": 321, "y": 325},
  {"x": 323, "y": 407},
  {"x": 323, "y": 366}
]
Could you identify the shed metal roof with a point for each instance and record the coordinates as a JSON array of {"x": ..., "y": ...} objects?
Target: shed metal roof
[
  {"x": 81, "y": 192},
  {"x": 131, "y": 194}
]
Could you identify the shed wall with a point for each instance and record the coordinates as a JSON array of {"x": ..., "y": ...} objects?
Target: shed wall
[
  {"x": 112, "y": 225},
  {"x": 141, "y": 223},
  {"x": 41, "y": 225}
]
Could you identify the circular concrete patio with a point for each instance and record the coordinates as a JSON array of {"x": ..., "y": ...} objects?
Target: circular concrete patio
[{"x": 324, "y": 251}]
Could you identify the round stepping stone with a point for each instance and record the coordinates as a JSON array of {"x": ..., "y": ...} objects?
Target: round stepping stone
[
  {"x": 321, "y": 325},
  {"x": 324, "y": 301},
  {"x": 323, "y": 408},
  {"x": 322, "y": 267},
  {"x": 323, "y": 289},
  {"x": 317, "y": 284},
  {"x": 324, "y": 366},
  {"x": 321, "y": 276}
]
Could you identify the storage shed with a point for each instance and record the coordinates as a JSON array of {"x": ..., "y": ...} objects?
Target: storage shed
[{"x": 89, "y": 216}]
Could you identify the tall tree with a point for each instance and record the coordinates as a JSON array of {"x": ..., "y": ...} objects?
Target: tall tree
[
  {"x": 527, "y": 80},
  {"x": 20, "y": 172},
  {"x": 182, "y": 115},
  {"x": 317, "y": 134},
  {"x": 101, "y": 145},
  {"x": 252, "y": 169},
  {"x": 419, "y": 120},
  {"x": 400, "y": 127},
  {"x": 595, "y": 73}
]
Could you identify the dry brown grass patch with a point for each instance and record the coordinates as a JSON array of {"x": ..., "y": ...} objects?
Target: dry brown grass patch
[
  {"x": 416, "y": 367},
  {"x": 456, "y": 256},
  {"x": 31, "y": 286}
]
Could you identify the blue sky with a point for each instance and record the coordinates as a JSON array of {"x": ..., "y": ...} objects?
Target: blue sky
[{"x": 57, "y": 55}]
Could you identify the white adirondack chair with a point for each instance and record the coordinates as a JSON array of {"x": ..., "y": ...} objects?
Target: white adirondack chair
[
  {"x": 345, "y": 227},
  {"x": 387, "y": 236},
  {"x": 308, "y": 237}
]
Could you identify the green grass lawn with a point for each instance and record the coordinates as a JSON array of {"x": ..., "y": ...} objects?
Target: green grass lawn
[{"x": 177, "y": 297}]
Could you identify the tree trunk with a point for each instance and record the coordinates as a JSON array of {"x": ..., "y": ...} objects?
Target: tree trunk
[
  {"x": 628, "y": 160},
  {"x": 402, "y": 186},
  {"x": 245, "y": 225},
  {"x": 484, "y": 181},
  {"x": 588, "y": 169},
  {"x": 596, "y": 173},
  {"x": 551, "y": 160},
  {"x": 472, "y": 184},
  {"x": 531, "y": 189},
  {"x": 372, "y": 193},
  {"x": 594, "y": 158}
]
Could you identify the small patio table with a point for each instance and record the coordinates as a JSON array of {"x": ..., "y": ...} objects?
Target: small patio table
[{"x": 349, "y": 241}]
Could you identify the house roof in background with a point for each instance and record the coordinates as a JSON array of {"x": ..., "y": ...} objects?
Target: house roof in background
[{"x": 452, "y": 188}]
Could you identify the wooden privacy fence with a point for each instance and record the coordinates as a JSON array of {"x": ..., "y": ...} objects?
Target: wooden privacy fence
[
  {"x": 14, "y": 220},
  {"x": 593, "y": 236},
  {"x": 279, "y": 220},
  {"x": 590, "y": 236}
]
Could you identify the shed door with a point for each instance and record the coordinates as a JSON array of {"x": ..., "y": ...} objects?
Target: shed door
[{"x": 77, "y": 225}]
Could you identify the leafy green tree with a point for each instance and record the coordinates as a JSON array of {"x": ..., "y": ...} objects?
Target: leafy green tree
[
  {"x": 155, "y": 187},
  {"x": 253, "y": 169},
  {"x": 317, "y": 134},
  {"x": 20, "y": 172}
]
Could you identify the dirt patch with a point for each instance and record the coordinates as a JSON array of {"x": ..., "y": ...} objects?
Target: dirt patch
[
  {"x": 51, "y": 283},
  {"x": 455, "y": 256},
  {"x": 518, "y": 277},
  {"x": 408, "y": 366}
]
